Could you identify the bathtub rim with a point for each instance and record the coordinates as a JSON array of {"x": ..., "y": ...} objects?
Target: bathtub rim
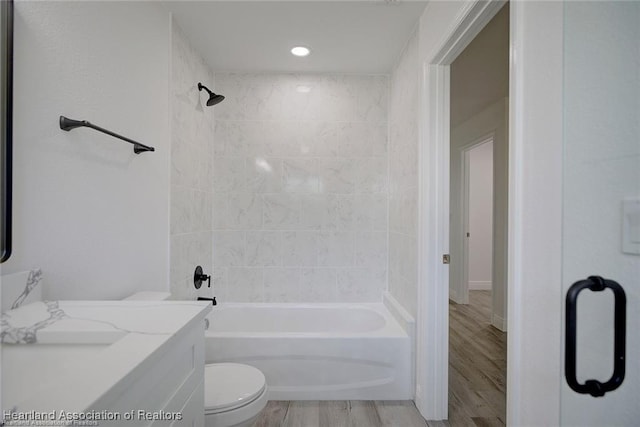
[{"x": 391, "y": 327}]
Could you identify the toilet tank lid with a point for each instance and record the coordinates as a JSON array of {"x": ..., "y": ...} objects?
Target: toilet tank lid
[{"x": 231, "y": 385}]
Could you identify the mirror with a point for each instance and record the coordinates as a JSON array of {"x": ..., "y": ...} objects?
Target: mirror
[{"x": 6, "y": 100}]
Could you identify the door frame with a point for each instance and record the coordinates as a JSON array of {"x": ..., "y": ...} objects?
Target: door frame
[
  {"x": 432, "y": 344},
  {"x": 534, "y": 370}
]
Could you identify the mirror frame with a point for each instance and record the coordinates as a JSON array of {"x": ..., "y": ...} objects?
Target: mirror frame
[{"x": 6, "y": 124}]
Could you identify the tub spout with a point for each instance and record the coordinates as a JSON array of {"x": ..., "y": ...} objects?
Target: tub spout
[{"x": 213, "y": 300}]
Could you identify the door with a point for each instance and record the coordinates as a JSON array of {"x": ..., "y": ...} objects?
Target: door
[{"x": 601, "y": 214}]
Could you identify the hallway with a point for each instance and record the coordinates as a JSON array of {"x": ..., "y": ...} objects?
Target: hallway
[{"x": 477, "y": 364}]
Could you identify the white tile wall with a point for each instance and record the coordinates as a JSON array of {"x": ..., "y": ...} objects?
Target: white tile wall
[
  {"x": 192, "y": 132},
  {"x": 300, "y": 187},
  {"x": 403, "y": 178}
]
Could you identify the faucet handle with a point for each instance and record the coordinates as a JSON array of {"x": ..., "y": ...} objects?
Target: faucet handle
[{"x": 199, "y": 277}]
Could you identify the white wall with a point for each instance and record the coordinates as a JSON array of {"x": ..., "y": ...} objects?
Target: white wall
[
  {"x": 300, "y": 188},
  {"x": 87, "y": 210},
  {"x": 480, "y": 216},
  {"x": 403, "y": 178},
  {"x": 192, "y": 132}
]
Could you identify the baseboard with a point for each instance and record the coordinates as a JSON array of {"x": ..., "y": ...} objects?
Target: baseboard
[
  {"x": 457, "y": 298},
  {"x": 479, "y": 286},
  {"x": 499, "y": 322}
]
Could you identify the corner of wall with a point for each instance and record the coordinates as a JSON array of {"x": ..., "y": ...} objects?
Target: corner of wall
[{"x": 191, "y": 171}]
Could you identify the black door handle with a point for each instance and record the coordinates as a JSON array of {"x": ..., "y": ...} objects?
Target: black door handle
[{"x": 594, "y": 387}]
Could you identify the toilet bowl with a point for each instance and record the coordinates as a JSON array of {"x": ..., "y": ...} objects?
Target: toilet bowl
[{"x": 234, "y": 394}]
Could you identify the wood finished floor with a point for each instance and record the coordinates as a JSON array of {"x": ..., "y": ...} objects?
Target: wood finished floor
[
  {"x": 477, "y": 371},
  {"x": 342, "y": 413},
  {"x": 477, "y": 364}
]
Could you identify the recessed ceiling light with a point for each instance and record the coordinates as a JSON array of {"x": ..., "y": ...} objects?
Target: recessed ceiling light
[
  {"x": 303, "y": 89},
  {"x": 300, "y": 51}
]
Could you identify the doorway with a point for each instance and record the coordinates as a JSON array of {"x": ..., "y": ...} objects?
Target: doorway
[
  {"x": 477, "y": 213},
  {"x": 432, "y": 352},
  {"x": 478, "y": 190},
  {"x": 471, "y": 207},
  {"x": 477, "y": 348}
]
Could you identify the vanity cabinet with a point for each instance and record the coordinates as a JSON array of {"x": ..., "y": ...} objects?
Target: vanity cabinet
[{"x": 130, "y": 363}]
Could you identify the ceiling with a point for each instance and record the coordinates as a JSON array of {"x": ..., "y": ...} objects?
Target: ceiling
[
  {"x": 365, "y": 36},
  {"x": 480, "y": 74}
]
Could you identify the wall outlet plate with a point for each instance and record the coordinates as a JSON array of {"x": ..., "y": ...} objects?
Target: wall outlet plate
[{"x": 631, "y": 226}]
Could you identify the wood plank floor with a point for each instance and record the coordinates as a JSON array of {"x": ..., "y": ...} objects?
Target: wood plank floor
[
  {"x": 477, "y": 381},
  {"x": 477, "y": 364},
  {"x": 342, "y": 413}
]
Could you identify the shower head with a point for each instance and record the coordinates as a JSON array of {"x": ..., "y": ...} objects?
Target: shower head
[{"x": 213, "y": 98}]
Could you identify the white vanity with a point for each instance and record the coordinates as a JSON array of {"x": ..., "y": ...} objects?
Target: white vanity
[{"x": 114, "y": 362}]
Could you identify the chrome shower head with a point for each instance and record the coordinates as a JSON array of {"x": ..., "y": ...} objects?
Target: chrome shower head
[{"x": 213, "y": 98}]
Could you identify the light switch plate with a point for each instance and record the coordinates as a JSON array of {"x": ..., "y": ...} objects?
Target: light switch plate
[{"x": 631, "y": 226}]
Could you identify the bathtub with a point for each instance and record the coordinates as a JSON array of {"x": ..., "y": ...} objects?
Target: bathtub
[{"x": 316, "y": 351}]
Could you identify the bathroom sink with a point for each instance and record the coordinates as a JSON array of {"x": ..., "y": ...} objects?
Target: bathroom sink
[{"x": 78, "y": 332}]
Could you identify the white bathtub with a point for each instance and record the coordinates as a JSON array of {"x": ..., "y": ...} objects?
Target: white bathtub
[{"x": 316, "y": 351}]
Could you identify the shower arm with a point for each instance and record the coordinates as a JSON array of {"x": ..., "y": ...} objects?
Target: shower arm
[{"x": 68, "y": 124}]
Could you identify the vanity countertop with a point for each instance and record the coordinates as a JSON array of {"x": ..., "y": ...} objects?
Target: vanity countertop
[{"x": 68, "y": 355}]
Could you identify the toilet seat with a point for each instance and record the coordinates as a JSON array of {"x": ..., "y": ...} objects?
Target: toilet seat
[{"x": 230, "y": 386}]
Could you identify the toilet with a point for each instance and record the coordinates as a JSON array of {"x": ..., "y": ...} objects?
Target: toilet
[{"x": 234, "y": 394}]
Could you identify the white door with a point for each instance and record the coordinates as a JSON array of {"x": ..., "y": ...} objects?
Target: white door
[{"x": 601, "y": 214}]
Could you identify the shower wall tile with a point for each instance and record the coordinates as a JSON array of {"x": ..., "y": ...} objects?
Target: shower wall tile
[
  {"x": 281, "y": 212},
  {"x": 317, "y": 139},
  {"x": 338, "y": 175},
  {"x": 371, "y": 249},
  {"x": 318, "y": 285},
  {"x": 228, "y": 174},
  {"x": 232, "y": 139},
  {"x": 276, "y": 97},
  {"x": 192, "y": 149},
  {"x": 219, "y": 283},
  {"x": 371, "y": 175},
  {"x": 237, "y": 211},
  {"x": 300, "y": 176},
  {"x": 358, "y": 139},
  {"x": 301, "y": 180},
  {"x": 317, "y": 212},
  {"x": 403, "y": 178},
  {"x": 360, "y": 284},
  {"x": 299, "y": 249},
  {"x": 264, "y": 175},
  {"x": 245, "y": 285},
  {"x": 263, "y": 248},
  {"x": 361, "y": 212},
  {"x": 229, "y": 248},
  {"x": 191, "y": 210},
  {"x": 186, "y": 249},
  {"x": 336, "y": 249},
  {"x": 282, "y": 284}
]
